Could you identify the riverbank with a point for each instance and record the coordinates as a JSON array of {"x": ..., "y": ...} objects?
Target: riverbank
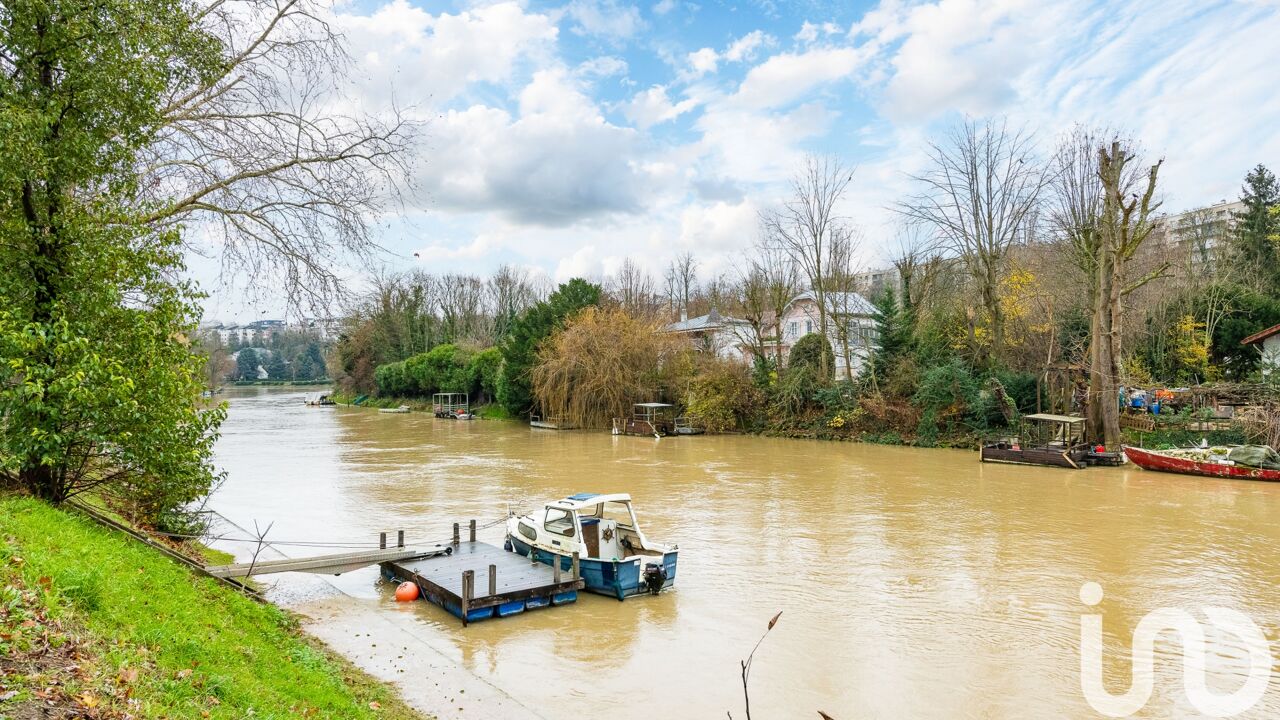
[
  {"x": 485, "y": 411},
  {"x": 95, "y": 624}
]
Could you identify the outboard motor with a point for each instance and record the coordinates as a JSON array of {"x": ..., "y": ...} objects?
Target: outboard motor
[{"x": 654, "y": 577}]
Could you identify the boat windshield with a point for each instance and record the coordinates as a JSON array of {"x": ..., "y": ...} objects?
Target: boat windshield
[
  {"x": 620, "y": 512},
  {"x": 559, "y": 522}
]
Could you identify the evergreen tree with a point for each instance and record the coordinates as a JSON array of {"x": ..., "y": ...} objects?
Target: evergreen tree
[
  {"x": 277, "y": 369},
  {"x": 894, "y": 323},
  {"x": 247, "y": 364},
  {"x": 1254, "y": 254},
  {"x": 520, "y": 347}
]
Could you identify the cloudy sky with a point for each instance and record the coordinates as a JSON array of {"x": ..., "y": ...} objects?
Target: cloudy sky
[{"x": 566, "y": 137}]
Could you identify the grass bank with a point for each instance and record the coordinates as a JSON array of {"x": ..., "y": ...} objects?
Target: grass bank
[{"x": 97, "y": 625}]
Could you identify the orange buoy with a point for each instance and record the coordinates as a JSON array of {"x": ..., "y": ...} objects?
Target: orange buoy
[{"x": 406, "y": 591}]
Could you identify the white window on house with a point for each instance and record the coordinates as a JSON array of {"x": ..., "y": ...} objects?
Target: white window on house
[
  {"x": 793, "y": 329},
  {"x": 808, "y": 326}
]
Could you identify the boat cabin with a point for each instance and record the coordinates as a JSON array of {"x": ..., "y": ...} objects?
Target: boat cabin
[
  {"x": 453, "y": 406},
  {"x": 651, "y": 418},
  {"x": 1043, "y": 439},
  {"x": 600, "y": 527}
]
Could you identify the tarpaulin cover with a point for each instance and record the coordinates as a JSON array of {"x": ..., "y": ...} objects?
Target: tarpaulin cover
[{"x": 1259, "y": 456}]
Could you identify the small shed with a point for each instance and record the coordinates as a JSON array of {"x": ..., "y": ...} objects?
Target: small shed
[{"x": 1269, "y": 342}]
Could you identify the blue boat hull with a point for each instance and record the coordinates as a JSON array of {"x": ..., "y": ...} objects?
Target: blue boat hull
[{"x": 605, "y": 577}]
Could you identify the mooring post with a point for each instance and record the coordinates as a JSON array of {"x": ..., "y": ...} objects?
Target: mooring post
[
  {"x": 555, "y": 569},
  {"x": 456, "y": 534},
  {"x": 575, "y": 566},
  {"x": 468, "y": 589},
  {"x": 493, "y": 580},
  {"x": 473, "y": 530},
  {"x": 382, "y": 541},
  {"x": 399, "y": 538}
]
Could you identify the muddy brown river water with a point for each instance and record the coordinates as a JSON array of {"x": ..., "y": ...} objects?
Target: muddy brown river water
[{"x": 913, "y": 583}]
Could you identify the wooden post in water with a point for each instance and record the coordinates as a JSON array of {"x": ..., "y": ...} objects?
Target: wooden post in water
[
  {"x": 575, "y": 567},
  {"x": 382, "y": 541},
  {"x": 473, "y": 531},
  {"x": 399, "y": 538},
  {"x": 493, "y": 580},
  {"x": 468, "y": 589},
  {"x": 456, "y": 535}
]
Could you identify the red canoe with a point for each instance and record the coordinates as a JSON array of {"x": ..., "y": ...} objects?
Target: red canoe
[{"x": 1164, "y": 462}]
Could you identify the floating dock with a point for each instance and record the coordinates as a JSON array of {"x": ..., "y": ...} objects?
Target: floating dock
[{"x": 508, "y": 583}]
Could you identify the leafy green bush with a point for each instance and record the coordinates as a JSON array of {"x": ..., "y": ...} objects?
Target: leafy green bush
[
  {"x": 814, "y": 352},
  {"x": 392, "y": 379},
  {"x": 483, "y": 372},
  {"x": 723, "y": 397}
]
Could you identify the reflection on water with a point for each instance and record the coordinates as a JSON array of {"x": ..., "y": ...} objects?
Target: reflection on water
[{"x": 913, "y": 583}]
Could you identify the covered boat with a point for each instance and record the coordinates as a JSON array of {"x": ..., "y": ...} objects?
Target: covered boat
[
  {"x": 1055, "y": 440},
  {"x": 614, "y": 556},
  {"x": 1246, "y": 462}
]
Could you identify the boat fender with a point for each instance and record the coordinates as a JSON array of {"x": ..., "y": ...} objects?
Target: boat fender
[
  {"x": 506, "y": 545},
  {"x": 655, "y": 576}
]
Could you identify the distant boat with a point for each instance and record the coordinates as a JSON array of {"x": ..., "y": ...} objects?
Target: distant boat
[
  {"x": 651, "y": 418},
  {"x": 452, "y": 406},
  {"x": 1054, "y": 440},
  {"x": 550, "y": 423},
  {"x": 1209, "y": 462},
  {"x": 615, "y": 558},
  {"x": 401, "y": 409},
  {"x": 319, "y": 400}
]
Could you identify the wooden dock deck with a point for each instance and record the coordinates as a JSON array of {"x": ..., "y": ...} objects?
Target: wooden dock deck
[{"x": 508, "y": 583}]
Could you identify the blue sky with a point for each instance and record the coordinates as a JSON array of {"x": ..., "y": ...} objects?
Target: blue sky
[{"x": 567, "y": 136}]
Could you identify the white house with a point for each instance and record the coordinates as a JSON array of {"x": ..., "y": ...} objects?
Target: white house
[
  {"x": 848, "y": 311},
  {"x": 729, "y": 338},
  {"x": 1269, "y": 342}
]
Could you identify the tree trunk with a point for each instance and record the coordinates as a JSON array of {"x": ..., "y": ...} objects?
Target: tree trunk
[{"x": 1103, "y": 414}]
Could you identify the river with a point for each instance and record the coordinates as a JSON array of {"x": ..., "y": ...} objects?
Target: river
[{"x": 913, "y": 583}]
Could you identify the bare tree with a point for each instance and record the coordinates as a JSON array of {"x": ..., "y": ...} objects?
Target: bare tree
[
  {"x": 266, "y": 154},
  {"x": 682, "y": 280},
  {"x": 979, "y": 197},
  {"x": 510, "y": 291},
  {"x": 807, "y": 224},
  {"x": 844, "y": 304},
  {"x": 634, "y": 290},
  {"x": 461, "y": 302},
  {"x": 1124, "y": 224}
]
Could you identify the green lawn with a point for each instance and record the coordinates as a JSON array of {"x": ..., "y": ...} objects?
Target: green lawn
[{"x": 123, "y": 629}]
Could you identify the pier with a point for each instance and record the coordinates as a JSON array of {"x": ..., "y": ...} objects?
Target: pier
[{"x": 508, "y": 584}]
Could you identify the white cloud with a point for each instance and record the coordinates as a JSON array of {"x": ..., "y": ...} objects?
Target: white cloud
[
  {"x": 426, "y": 58},
  {"x": 602, "y": 67},
  {"x": 786, "y": 77},
  {"x": 558, "y": 162},
  {"x": 706, "y": 60},
  {"x": 664, "y": 6},
  {"x": 605, "y": 18},
  {"x": 651, "y": 107}
]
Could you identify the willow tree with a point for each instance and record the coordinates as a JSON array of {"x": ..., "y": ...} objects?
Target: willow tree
[{"x": 599, "y": 363}]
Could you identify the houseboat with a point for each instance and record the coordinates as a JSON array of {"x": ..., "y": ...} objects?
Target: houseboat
[
  {"x": 452, "y": 406},
  {"x": 1054, "y": 440},
  {"x": 614, "y": 556},
  {"x": 651, "y": 418},
  {"x": 1244, "y": 462}
]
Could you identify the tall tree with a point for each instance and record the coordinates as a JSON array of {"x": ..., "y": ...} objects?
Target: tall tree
[
  {"x": 520, "y": 349},
  {"x": 98, "y": 386},
  {"x": 682, "y": 281},
  {"x": 1124, "y": 223},
  {"x": 1255, "y": 253},
  {"x": 808, "y": 225},
  {"x": 980, "y": 195}
]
